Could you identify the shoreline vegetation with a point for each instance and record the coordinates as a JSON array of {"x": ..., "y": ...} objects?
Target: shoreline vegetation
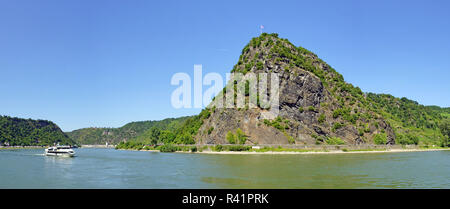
[
  {"x": 247, "y": 149},
  {"x": 326, "y": 152},
  {"x": 244, "y": 149},
  {"x": 22, "y": 147}
]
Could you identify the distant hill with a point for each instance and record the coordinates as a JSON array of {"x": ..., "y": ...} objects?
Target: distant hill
[
  {"x": 27, "y": 132},
  {"x": 130, "y": 131}
]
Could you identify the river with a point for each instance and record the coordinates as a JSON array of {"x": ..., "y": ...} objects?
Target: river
[{"x": 109, "y": 168}]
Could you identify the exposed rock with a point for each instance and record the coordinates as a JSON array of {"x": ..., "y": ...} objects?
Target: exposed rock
[{"x": 304, "y": 97}]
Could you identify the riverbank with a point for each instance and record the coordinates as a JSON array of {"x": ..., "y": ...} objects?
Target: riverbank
[
  {"x": 98, "y": 146},
  {"x": 279, "y": 150},
  {"x": 319, "y": 152}
]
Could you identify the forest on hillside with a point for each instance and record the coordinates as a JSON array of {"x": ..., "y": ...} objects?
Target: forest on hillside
[{"x": 27, "y": 132}]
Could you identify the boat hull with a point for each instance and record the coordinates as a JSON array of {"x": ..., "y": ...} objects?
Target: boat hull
[{"x": 60, "y": 154}]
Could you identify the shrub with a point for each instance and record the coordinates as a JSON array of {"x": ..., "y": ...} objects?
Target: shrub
[
  {"x": 259, "y": 65},
  {"x": 335, "y": 141},
  {"x": 321, "y": 118},
  {"x": 361, "y": 132},
  {"x": 168, "y": 148},
  {"x": 301, "y": 109},
  {"x": 291, "y": 139},
  {"x": 210, "y": 130},
  {"x": 336, "y": 113},
  {"x": 407, "y": 139},
  {"x": 277, "y": 123},
  {"x": 194, "y": 149},
  {"x": 218, "y": 148},
  {"x": 231, "y": 138},
  {"x": 367, "y": 128},
  {"x": 320, "y": 139},
  {"x": 184, "y": 149},
  {"x": 336, "y": 126},
  {"x": 240, "y": 136},
  {"x": 130, "y": 145},
  {"x": 238, "y": 148},
  {"x": 380, "y": 138}
]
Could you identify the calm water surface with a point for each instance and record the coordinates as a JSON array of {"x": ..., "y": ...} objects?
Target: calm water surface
[{"x": 108, "y": 168}]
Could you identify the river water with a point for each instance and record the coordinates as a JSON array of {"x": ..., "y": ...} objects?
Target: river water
[{"x": 109, "y": 168}]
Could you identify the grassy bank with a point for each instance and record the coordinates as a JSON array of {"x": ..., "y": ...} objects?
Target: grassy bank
[
  {"x": 162, "y": 148},
  {"x": 245, "y": 149}
]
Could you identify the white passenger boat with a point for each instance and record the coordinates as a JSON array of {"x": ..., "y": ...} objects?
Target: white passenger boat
[{"x": 65, "y": 151}]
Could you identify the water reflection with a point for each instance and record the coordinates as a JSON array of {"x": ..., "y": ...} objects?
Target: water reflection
[
  {"x": 392, "y": 170},
  {"x": 58, "y": 169},
  {"x": 52, "y": 160}
]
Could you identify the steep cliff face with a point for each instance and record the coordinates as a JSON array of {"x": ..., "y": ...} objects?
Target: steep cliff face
[{"x": 315, "y": 102}]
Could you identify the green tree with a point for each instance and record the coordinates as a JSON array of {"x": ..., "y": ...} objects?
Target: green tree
[
  {"x": 445, "y": 127},
  {"x": 380, "y": 138},
  {"x": 405, "y": 139},
  {"x": 154, "y": 135},
  {"x": 167, "y": 137},
  {"x": 445, "y": 130},
  {"x": 184, "y": 138},
  {"x": 231, "y": 138},
  {"x": 240, "y": 135}
]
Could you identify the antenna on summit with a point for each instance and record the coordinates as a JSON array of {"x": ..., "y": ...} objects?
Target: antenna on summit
[{"x": 261, "y": 27}]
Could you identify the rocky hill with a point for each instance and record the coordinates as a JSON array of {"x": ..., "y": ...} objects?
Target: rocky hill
[
  {"x": 27, "y": 132},
  {"x": 316, "y": 105}
]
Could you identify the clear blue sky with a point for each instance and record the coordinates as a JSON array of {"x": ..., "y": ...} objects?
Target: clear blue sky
[{"x": 84, "y": 63}]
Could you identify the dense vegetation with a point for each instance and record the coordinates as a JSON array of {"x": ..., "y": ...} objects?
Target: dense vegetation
[
  {"x": 168, "y": 131},
  {"x": 412, "y": 122},
  {"x": 133, "y": 145},
  {"x": 137, "y": 131},
  {"x": 178, "y": 131},
  {"x": 28, "y": 132}
]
